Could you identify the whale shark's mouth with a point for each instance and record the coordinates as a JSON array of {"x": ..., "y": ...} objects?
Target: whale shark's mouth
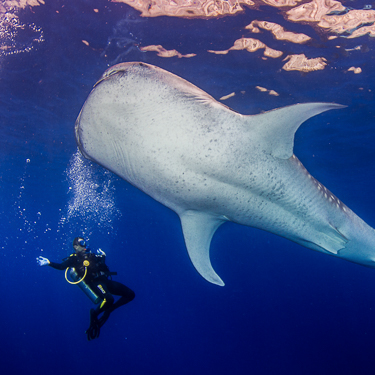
[{"x": 78, "y": 138}]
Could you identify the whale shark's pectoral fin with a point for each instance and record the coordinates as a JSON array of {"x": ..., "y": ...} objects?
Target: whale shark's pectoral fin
[
  {"x": 198, "y": 228},
  {"x": 276, "y": 128}
]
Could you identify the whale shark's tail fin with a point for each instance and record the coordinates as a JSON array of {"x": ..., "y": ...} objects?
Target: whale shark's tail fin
[
  {"x": 276, "y": 128},
  {"x": 198, "y": 228}
]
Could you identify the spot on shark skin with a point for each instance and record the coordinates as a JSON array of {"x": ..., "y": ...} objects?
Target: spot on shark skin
[{"x": 210, "y": 164}]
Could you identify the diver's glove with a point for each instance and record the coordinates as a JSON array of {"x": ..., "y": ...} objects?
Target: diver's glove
[
  {"x": 101, "y": 252},
  {"x": 42, "y": 261}
]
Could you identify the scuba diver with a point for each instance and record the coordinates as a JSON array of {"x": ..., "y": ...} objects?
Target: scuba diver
[{"x": 91, "y": 273}]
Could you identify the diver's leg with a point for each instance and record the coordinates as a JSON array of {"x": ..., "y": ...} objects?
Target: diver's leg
[
  {"x": 101, "y": 289},
  {"x": 119, "y": 289},
  {"x": 99, "y": 286}
]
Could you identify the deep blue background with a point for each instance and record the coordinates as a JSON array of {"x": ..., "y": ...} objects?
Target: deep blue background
[{"x": 284, "y": 309}]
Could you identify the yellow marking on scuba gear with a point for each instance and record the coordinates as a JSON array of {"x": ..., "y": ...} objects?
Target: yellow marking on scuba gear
[
  {"x": 86, "y": 263},
  {"x": 103, "y": 303},
  {"x": 101, "y": 289},
  {"x": 76, "y": 282}
]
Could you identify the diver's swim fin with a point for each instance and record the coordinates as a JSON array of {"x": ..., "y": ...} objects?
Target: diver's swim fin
[
  {"x": 93, "y": 331},
  {"x": 104, "y": 318}
]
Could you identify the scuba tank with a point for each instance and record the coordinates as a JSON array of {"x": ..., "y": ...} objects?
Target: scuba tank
[{"x": 84, "y": 287}]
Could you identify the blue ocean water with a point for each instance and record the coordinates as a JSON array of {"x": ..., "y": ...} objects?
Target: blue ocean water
[{"x": 284, "y": 310}]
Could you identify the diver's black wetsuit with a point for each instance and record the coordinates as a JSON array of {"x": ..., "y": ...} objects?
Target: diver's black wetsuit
[{"x": 97, "y": 279}]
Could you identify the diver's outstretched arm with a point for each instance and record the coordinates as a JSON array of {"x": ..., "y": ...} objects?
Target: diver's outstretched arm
[{"x": 58, "y": 266}]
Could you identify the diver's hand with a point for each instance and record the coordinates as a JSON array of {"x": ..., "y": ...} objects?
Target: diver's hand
[
  {"x": 42, "y": 261},
  {"x": 101, "y": 252}
]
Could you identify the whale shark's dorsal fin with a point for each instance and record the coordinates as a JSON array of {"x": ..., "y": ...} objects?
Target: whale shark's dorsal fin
[
  {"x": 198, "y": 228},
  {"x": 276, "y": 128}
]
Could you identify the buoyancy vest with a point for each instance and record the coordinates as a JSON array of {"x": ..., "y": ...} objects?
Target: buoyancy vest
[{"x": 95, "y": 265}]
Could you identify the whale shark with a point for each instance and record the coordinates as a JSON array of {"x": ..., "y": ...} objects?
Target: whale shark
[{"x": 210, "y": 164}]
